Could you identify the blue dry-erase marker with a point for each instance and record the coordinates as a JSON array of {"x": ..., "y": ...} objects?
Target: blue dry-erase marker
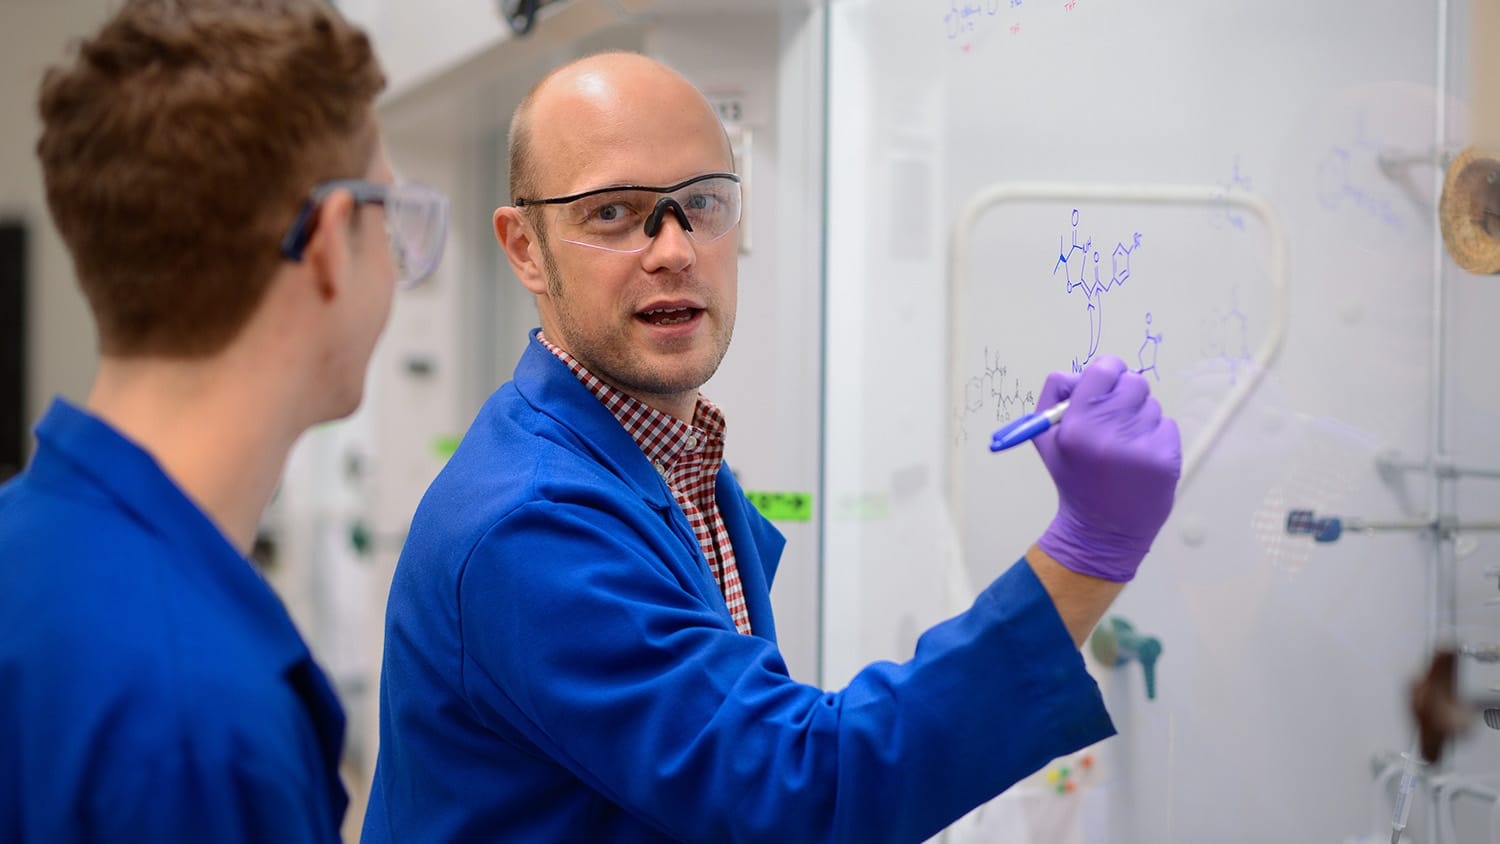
[{"x": 1027, "y": 427}]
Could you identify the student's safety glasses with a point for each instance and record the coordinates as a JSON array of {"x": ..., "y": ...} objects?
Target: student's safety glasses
[
  {"x": 416, "y": 223},
  {"x": 628, "y": 217}
]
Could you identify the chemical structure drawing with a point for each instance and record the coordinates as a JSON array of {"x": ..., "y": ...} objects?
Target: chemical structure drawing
[
  {"x": 1339, "y": 186},
  {"x": 994, "y": 387},
  {"x": 1150, "y": 349},
  {"x": 1226, "y": 337},
  {"x": 1081, "y": 267},
  {"x": 962, "y": 18},
  {"x": 1237, "y": 183},
  {"x": 967, "y": 22}
]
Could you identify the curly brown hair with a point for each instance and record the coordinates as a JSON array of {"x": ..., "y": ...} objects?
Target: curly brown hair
[{"x": 177, "y": 147}]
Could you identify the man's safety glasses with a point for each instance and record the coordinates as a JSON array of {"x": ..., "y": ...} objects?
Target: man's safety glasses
[
  {"x": 416, "y": 224},
  {"x": 627, "y": 218}
]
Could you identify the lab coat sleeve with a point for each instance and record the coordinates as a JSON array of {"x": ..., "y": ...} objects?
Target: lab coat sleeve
[{"x": 578, "y": 631}]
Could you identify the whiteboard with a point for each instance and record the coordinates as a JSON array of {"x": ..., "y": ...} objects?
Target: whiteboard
[{"x": 1284, "y": 664}]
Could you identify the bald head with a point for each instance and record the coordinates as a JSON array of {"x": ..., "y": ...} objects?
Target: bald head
[{"x": 611, "y": 118}]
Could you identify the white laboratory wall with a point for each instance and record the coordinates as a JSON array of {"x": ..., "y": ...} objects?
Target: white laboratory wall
[
  {"x": 437, "y": 46},
  {"x": 34, "y": 34},
  {"x": 420, "y": 40}
]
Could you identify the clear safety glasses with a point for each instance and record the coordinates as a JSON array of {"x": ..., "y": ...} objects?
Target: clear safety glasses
[
  {"x": 416, "y": 224},
  {"x": 627, "y": 218}
]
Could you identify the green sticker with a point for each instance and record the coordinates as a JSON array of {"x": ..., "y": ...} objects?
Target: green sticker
[
  {"x": 862, "y": 507},
  {"x": 444, "y": 446},
  {"x": 783, "y": 506}
]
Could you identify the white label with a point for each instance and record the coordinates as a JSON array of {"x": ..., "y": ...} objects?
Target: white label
[{"x": 729, "y": 104}]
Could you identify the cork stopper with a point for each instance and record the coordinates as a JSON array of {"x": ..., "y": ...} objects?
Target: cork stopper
[
  {"x": 1439, "y": 715},
  {"x": 1469, "y": 211}
]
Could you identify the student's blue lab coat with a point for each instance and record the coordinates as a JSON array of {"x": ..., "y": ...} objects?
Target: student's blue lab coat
[
  {"x": 152, "y": 687},
  {"x": 560, "y": 666}
]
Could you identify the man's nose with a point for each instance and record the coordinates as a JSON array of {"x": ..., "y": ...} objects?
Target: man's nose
[
  {"x": 671, "y": 247},
  {"x": 659, "y": 214}
]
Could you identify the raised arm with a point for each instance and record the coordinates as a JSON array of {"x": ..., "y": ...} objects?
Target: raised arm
[{"x": 1116, "y": 461}]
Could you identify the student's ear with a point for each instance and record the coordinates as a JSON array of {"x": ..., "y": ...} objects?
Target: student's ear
[
  {"x": 517, "y": 237},
  {"x": 328, "y": 251}
]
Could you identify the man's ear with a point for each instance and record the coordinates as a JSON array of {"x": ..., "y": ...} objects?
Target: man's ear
[
  {"x": 517, "y": 237},
  {"x": 328, "y": 251}
]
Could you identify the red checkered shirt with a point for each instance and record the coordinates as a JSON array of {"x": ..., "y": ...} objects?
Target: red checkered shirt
[{"x": 688, "y": 458}]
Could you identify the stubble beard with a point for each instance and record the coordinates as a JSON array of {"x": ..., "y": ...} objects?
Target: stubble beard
[{"x": 611, "y": 355}]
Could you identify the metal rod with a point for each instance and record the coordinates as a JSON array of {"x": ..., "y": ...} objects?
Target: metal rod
[
  {"x": 1486, "y": 653},
  {"x": 1397, "y": 167},
  {"x": 1359, "y": 526},
  {"x": 1444, "y": 469},
  {"x": 1437, "y": 582},
  {"x": 1443, "y": 526}
]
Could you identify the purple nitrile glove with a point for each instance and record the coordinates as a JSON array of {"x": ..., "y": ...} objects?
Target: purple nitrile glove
[{"x": 1115, "y": 460}]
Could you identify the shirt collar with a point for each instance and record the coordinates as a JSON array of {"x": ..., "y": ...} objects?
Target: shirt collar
[{"x": 663, "y": 438}]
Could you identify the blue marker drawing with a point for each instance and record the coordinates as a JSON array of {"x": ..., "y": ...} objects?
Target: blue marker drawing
[
  {"x": 962, "y": 17},
  {"x": 1338, "y": 186},
  {"x": 1227, "y": 337},
  {"x": 1232, "y": 215},
  {"x": 1153, "y": 342},
  {"x": 1081, "y": 268},
  {"x": 967, "y": 22},
  {"x": 1034, "y": 424}
]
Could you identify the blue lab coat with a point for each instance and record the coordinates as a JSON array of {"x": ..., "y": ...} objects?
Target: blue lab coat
[
  {"x": 560, "y": 666},
  {"x": 152, "y": 687}
]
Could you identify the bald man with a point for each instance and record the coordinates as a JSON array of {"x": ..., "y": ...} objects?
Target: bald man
[{"x": 579, "y": 642}]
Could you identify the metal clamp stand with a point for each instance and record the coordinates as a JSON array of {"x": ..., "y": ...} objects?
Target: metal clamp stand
[
  {"x": 1331, "y": 528},
  {"x": 1391, "y": 465}
]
